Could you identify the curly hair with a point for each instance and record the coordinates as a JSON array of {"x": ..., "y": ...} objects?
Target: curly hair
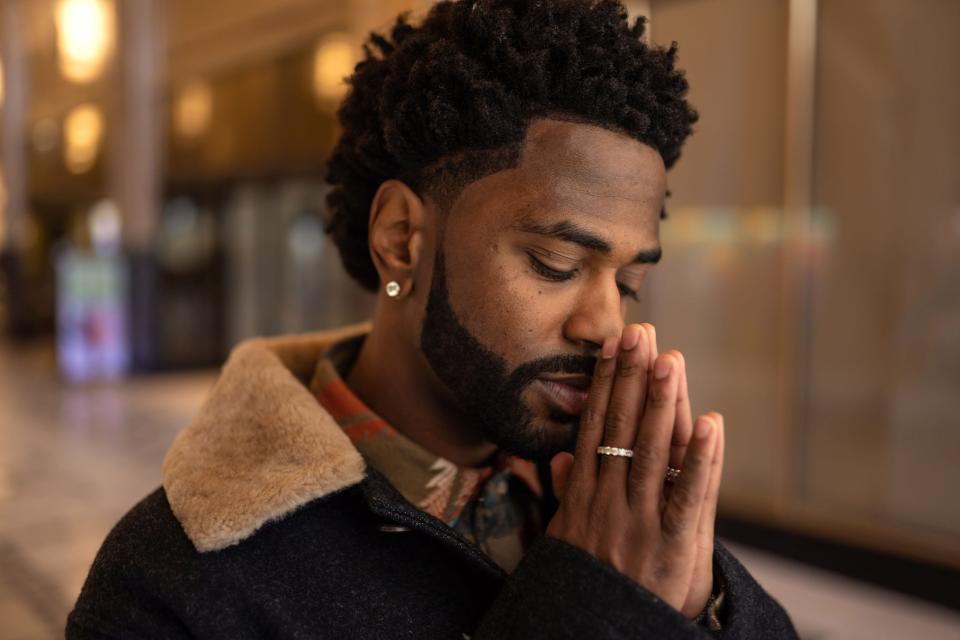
[{"x": 447, "y": 102}]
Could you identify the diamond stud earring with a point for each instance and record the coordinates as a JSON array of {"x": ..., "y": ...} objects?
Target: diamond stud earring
[{"x": 393, "y": 288}]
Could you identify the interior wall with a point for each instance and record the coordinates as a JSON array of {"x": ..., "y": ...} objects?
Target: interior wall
[
  {"x": 721, "y": 239},
  {"x": 868, "y": 451},
  {"x": 886, "y": 300}
]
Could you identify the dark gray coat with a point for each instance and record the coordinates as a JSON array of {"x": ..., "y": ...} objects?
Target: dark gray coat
[{"x": 270, "y": 526}]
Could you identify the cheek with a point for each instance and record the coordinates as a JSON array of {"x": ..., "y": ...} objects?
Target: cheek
[{"x": 504, "y": 307}]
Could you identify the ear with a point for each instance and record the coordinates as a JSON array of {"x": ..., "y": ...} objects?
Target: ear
[{"x": 395, "y": 232}]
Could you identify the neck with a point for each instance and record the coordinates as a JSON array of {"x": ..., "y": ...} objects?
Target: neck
[{"x": 393, "y": 379}]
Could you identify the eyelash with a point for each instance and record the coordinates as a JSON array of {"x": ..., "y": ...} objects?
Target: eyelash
[{"x": 562, "y": 276}]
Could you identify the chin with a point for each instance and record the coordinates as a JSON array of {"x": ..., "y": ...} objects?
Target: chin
[{"x": 543, "y": 437}]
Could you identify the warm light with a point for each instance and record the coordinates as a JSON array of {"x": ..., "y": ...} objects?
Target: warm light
[
  {"x": 1, "y": 82},
  {"x": 84, "y": 37},
  {"x": 193, "y": 110},
  {"x": 333, "y": 61},
  {"x": 3, "y": 209},
  {"x": 82, "y": 133},
  {"x": 104, "y": 226}
]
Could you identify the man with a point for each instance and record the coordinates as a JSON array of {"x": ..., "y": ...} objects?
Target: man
[{"x": 497, "y": 455}]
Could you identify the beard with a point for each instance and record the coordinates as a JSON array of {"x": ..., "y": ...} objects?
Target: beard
[{"x": 486, "y": 391}]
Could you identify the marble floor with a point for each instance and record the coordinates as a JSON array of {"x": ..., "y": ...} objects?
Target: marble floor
[{"x": 73, "y": 459}]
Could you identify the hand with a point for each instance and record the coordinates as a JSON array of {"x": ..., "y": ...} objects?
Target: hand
[
  {"x": 702, "y": 584},
  {"x": 616, "y": 508}
]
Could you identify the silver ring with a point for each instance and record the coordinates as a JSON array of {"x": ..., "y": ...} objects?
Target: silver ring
[
  {"x": 615, "y": 451},
  {"x": 672, "y": 474}
]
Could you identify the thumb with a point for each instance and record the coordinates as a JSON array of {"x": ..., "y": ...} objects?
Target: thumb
[{"x": 560, "y": 467}]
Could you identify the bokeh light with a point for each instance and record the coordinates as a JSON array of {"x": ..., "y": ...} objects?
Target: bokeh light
[
  {"x": 84, "y": 37},
  {"x": 193, "y": 110},
  {"x": 333, "y": 60},
  {"x": 82, "y": 135}
]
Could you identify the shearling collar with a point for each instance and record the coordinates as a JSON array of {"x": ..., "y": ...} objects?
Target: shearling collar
[{"x": 261, "y": 445}]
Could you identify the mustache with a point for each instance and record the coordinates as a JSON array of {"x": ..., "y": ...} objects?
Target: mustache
[{"x": 565, "y": 363}]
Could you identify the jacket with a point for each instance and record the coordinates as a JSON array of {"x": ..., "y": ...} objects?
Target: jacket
[{"x": 270, "y": 525}]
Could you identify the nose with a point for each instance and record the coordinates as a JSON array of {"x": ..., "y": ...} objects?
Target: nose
[{"x": 597, "y": 314}]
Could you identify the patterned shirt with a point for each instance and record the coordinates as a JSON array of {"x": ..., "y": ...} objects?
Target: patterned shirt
[{"x": 495, "y": 506}]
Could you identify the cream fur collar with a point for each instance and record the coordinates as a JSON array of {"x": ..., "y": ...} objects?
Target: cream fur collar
[{"x": 261, "y": 445}]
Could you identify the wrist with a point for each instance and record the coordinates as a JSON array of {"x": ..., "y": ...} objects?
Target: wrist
[{"x": 710, "y": 616}]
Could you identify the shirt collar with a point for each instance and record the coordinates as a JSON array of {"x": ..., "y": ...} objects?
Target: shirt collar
[{"x": 430, "y": 482}]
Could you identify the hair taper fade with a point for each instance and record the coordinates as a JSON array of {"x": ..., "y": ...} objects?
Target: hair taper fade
[{"x": 448, "y": 101}]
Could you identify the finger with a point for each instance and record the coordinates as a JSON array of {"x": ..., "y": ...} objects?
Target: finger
[
  {"x": 560, "y": 467},
  {"x": 590, "y": 434},
  {"x": 652, "y": 446},
  {"x": 683, "y": 427},
  {"x": 623, "y": 410},
  {"x": 652, "y": 354},
  {"x": 652, "y": 336},
  {"x": 651, "y": 360},
  {"x": 681, "y": 518},
  {"x": 708, "y": 516},
  {"x": 648, "y": 336}
]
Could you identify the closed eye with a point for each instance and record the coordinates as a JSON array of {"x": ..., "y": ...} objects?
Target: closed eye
[
  {"x": 549, "y": 272},
  {"x": 628, "y": 292},
  {"x": 558, "y": 275}
]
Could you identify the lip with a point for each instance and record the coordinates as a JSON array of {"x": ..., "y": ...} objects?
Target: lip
[
  {"x": 565, "y": 397},
  {"x": 576, "y": 380}
]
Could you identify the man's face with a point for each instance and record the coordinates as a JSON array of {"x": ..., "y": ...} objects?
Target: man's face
[{"x": 533, "y": 269}]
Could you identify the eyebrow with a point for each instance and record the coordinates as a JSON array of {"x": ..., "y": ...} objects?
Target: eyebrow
[{"x": 571, "y": 232}]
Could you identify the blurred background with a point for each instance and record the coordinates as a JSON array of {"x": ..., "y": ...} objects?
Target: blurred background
[{"x": 161, "y": 198}]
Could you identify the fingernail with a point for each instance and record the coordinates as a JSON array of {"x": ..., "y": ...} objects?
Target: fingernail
[
  {"x": 662, "y": 368},
  {"x": 609, "y": 348},
  {"x": 703, "y": 428},
  {"x": 631, "y": 337}
]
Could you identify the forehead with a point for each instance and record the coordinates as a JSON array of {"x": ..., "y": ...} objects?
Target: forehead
[
  {"x": 558, "y": 151},
  {"x": 579, "y": 172}
]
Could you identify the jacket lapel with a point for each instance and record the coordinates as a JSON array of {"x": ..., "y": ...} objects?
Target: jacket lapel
[
  {"x": 387, "y": 503},
  {"x": 261, "y": 446}
]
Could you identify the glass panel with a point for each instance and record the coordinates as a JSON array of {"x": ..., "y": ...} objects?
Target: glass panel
[
  {"x": 716, "y": 296},
  {"x": 883, "y": 435}
]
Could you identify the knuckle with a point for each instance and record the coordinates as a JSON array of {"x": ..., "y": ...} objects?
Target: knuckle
[
  {"x": 659, "y": 396},
  {"x": 684, "y": 496},
  {"x": 603, "y": 374},
  {"x": 628, "y": 368},
  {"x": 591, "y": 415},
  {"x": 673, "y": 526},
  {"x": 616, "y": 418},
  {"x": 640, "y": 482},
  {"x": 603, "y": 510},
  {"x": 694, "y": 462},
  {"x": 660, "y": 570},
  {"x": 646, "y": 458},
  {"x": 577, "y": 497}
]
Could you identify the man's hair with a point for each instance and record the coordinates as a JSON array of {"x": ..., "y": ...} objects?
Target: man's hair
[{"x": 447, "y": 102}]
